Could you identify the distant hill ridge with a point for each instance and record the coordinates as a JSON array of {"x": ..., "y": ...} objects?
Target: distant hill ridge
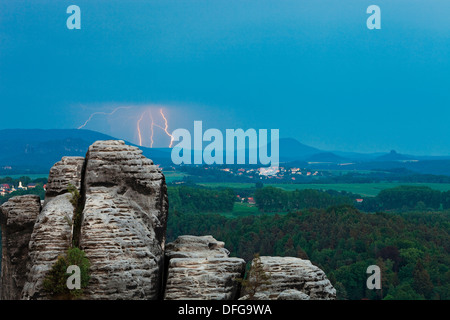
[
  {"x": 394, "y": 156},
  {"x": 40, "y": 149},
  {"x": 36, "y": 150}
]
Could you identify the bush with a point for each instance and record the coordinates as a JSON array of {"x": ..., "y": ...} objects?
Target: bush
[
  {"x": 256, "y": 278},
  {"x": 55, "y": 282}
]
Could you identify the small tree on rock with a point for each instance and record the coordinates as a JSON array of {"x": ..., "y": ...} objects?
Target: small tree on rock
[{"x": 256, "y": 278}]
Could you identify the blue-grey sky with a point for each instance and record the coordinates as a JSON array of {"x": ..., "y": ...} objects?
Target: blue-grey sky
[{"x": 309, "y": 68}]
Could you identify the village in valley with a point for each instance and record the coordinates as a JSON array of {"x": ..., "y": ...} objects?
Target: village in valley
[
  {"x": 252, "y": 173},
  {"x": 6, "y": 188}
]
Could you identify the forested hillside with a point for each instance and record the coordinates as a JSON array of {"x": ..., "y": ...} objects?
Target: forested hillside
[{"x": 412, "y": 249}]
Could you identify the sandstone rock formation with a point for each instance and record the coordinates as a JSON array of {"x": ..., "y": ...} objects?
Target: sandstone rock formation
[
  {"x": 293, "y": 279},
  {"x": 53, "y": 232},
  {"x": 17, "y": 218},
  {"x": 292, "y": 294},
  {"x": 124, "y": 222},
  {"x": 51, "y": 237},
  {"x": 196, "y": 247},
  {"x": 124, "y": 205},
  {"x": 200, "y": 268},
  {"x": 66, "y": 172}
]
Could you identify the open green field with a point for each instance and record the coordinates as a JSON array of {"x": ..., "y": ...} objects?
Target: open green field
[
  {"x": 364, "y": 189},
  {"x": 243, "y": 209},
  {"x": 172, "y": 176},
  {"x": 233, "y": 185}
]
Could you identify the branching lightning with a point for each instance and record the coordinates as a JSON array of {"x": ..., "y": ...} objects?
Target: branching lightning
[
  {"x": 152, "y": 127},
  {"x": 139, "y": 128},
  {"x": 103, "y": 113},
  {"x": 166, "y": 126}
]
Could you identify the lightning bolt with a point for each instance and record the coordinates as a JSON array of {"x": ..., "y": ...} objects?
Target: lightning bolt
[
  {"x": 139, "y": 128},
  {"x": 104, "y": 113},
  {"x": 151, "y": 128},
  {"x": 166, "y": 126}
]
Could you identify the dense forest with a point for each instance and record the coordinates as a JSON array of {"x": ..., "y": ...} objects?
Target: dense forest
[
  {"x": 406, "y": 198},
  {"x": 410, "y": 244},
  {"x": 412, "y": 249},
  {"x": 402, "y": 198},
  {"x": 271, "y": 199},
  {"x": 404, "y": 230},
  {"x": 189, "y": 199}
]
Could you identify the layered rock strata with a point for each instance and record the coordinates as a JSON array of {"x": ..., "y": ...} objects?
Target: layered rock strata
[
  {"x": 200, "y": 268},
  {"x": 17, "y": 219},
  {"x": 66, "y": 172},
  {"x": 53, "y": 231},
  {"x": 124, "y": 222},
  {"x": 123, "y": 205},
  {"x": 293, "y": 279}
]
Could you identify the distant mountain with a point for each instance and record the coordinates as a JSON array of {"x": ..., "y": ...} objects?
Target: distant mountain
[
  {"x": 35, "y": 150},
  {"x": 394, "y": 156},
  {"x": 42, "y": 135},
  {"x": 292, "y": 149}
]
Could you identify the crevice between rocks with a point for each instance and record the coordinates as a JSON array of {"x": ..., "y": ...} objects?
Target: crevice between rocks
[
  {"x": 78, "y": 211},
  {"x": 164, "y": 276},
  {"x": 163, "y": 206}
]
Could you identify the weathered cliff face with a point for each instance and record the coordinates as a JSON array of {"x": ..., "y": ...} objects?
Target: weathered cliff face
[
  {"x": 199, "y": 268},
  {"x": 124, "y": 222},
  {"x": 17, "y": 218},
  {"x": 123, "y": 200},
  {"x": 66, "y": 172},
  {"x": 53, "y": 232},
  {"x": 51, "y": 237},
  {"x": 293, "y": 279},
  {"x": 196, "y": 247}
]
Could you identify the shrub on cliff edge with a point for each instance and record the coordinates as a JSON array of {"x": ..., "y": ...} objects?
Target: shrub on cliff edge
[{"x": 55, "y": 282}]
